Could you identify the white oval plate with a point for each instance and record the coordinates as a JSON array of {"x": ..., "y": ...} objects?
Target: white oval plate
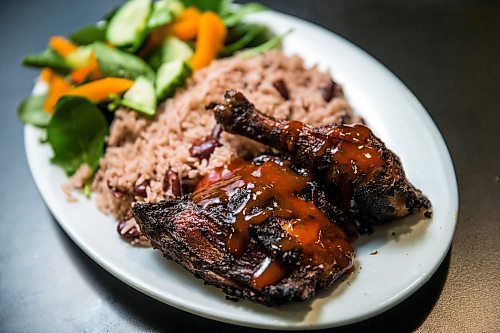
[{"x": 405, "y": 261}]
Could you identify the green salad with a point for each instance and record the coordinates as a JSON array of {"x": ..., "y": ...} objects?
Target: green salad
[{"x": 135, "y": 57}]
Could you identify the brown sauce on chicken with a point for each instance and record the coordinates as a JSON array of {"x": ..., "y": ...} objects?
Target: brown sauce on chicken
[
  {"x": 351, "y": 148},
  {"x": 273, "y": 192}
]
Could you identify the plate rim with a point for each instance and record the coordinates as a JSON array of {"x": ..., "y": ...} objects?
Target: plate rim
[{"x": 180, "y": 303}]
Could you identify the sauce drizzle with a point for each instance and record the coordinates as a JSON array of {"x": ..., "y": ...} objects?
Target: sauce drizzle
[
  {"x": 272, "y": 190},
  {"x": 351, "y": 147}
]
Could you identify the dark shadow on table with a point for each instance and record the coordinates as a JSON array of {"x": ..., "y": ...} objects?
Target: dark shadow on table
[{"x": 135, "y": 306}]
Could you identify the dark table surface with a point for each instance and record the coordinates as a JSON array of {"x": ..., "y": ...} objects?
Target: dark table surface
[{"x": 446, "y": 52}]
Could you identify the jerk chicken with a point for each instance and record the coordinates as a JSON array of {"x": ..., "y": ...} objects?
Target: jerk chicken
[
  {"x": 273, "y": 230},
  {"x": 350, "y": 158},
  {"x": 253, "y": 229}
]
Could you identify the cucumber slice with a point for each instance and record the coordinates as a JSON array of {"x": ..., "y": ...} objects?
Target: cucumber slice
[
  {"x": 160, "y": 15},
  {"x": 127, "y": 26},
  {"x": 141, "y": 96},
  {"x": 175, "y": 49},
  {"x": 170, "y": 76},
  {"x": 79, "y": 58},
  {"x": 171, "y": 49},
  {"x": 176, "y": 7}
]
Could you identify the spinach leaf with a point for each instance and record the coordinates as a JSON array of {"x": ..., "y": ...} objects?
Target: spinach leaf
[
  {"x": 236, "y": 16},
  {"x": 76, "y": 133},
  {"x": 89, "y": 34},
  {"x": 118, "y": 63},
  {"x": 30, "y": 111},
  {"x": 252, "y": 31},
  {"x": 270, "y": 44},
  {"x": 48, "y": 58}
]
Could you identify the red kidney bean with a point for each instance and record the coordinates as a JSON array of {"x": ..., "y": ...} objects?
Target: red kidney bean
[
  {"x": 281, "y": 87},
  {"x": 117, "y": 193},
  {"x": 140, "y": 189},
  {"x": 328, "y": 91},
  {"x": 128, "y": 228},
  {"x": 216, "y": 131},
  {"x": 204, "y": 148},
  {"x": 172, "y": 182}
]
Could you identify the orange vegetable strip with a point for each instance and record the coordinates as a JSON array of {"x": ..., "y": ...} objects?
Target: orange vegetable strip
[
  {"x": 46, "y": 75},
  {"x": 186, "y": 26},
  {"x": 90, "y": 71},
  {"x": 100, "y": 90},
  {"x": 211, "y": 36},
  {"x": 57, "y": 88},
  {"x": 62, "y": 46}
]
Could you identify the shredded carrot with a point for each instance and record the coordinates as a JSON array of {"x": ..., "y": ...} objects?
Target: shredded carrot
[
  {"x": 57, "y": 88},
  {"x": 90, "y": 71},
  {"x": 100, "y": 90},
  {"x": 46, "y": 75},
  {"x": 186, "y": 26},
  {"x": 62, "y": 46},
  {"x": 211, "y": 36}
]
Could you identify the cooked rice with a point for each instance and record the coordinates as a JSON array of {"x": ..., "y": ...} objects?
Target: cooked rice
[
  {"x": 78, "y": 180},
  {"x": 140, "y": 149}
]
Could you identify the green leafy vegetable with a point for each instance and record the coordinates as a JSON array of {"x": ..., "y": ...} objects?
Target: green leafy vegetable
[
  {"x": 89, "y": 34},
  {"x": 117, "y": 63},
  {"x": 48, "y": 58},
  {"x": 217, "y": 6},
  {"x": 30, "y": 111},
  {"x": 76, "y": 133},
  {"x": 252, "y": 31},
  {"x": 235, "y": 17},
  {"x": 160, "y": 15},
  {"x": 270, "y": 44},
  {"x": 87, "y": 188}
]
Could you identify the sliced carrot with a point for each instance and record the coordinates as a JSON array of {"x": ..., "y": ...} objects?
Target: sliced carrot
[
  {"x": 186, "y": 26},
  {"x": 62, "y": 46},
  {"x": 100, "y": 90},
  {"x": 57, "y": 88},
  {"x": 211, "y": 36},
  {"x": 46, "y": 75},
  {"x": 90, "y": 71}
]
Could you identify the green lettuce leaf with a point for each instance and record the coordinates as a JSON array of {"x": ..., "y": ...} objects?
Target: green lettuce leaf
[
  {"x": 30, "y": 111},
  {"x": 76, "y": 134}
]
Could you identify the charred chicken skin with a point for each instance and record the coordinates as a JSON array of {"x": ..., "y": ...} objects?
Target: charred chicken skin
[
  {"x": 275, "y": 230},
  {"x": 355, "y": 164},
  {"x": 253, "y": 229}
]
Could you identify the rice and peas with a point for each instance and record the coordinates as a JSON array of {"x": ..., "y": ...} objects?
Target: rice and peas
[{"x": 141, "y": 152}]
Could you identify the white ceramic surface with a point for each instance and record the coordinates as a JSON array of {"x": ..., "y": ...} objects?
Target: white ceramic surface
[{"x": 404, "y": 262}]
